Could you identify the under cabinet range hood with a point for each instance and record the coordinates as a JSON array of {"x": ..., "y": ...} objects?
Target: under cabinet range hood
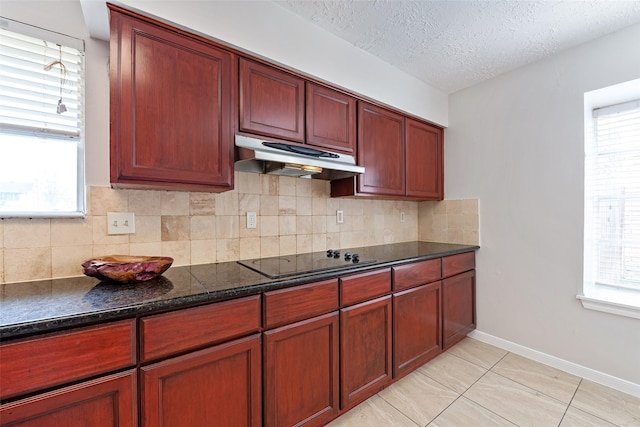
[{"x": 277, "y": 158}]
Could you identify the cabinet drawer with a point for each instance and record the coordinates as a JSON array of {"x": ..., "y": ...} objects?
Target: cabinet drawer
[
  {"x": 302, "y": 302},
  {"x": 36, "y": 363},
  {"x": 181, "y": 330},
  {"x": 361, "y": 287},
  {"x": 455, "y": 264},
  {"x": 417, "y": 273}
]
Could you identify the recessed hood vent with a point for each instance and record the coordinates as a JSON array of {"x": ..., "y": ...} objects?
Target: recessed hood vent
[{"x": 276, "y": 158}]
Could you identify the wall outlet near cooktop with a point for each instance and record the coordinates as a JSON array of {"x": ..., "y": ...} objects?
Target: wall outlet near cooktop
[{"x": 340, "y": 217}]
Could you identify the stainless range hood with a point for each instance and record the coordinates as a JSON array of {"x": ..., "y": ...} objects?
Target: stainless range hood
[{"x": 277, "y": 158}]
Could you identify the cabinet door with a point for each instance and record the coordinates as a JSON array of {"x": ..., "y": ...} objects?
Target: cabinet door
[
  {"x": 380, "y": 151},
  {"x": 171, "y": 103},
  {"x": 331, "y": 119},
  {"x": 220, "y": 385},
  {"x": 416, "y": 327},
  {"x": 365, "y": 349},
  {"x": 458, "y": 307},
  {"x": 301, "y": 372},
  {"x": 424, "y": 160},
  {"x": 271, "y": 101},
  {"x": 104, "y": 402}
]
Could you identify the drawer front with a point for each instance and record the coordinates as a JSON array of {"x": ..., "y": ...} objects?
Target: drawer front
[
  {"x": 455, "y": 264},
  {"x": 178, "y": 331},
  {"x": 415, "y": 274},
  {"x": 36, "y": 363},
  {"x": 302, "y": 302},
  {"x": 361, "y": 287}
]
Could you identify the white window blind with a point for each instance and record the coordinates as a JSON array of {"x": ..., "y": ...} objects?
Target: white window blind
[
  {"x": 41, "y": 123},
  {"x": 612, "y": 190}
]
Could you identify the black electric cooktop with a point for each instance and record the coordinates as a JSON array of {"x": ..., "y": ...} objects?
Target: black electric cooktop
[{"x": 296, "y": 265}]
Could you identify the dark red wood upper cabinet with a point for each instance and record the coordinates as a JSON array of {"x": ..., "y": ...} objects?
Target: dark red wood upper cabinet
[
  {"x": 331, "y": 119},
  {"x": 171, "y": 108},
  {"x": 380, "y": 151},
  {"x": 424, "y": 160},
  {"x": 271, "y": 101}
]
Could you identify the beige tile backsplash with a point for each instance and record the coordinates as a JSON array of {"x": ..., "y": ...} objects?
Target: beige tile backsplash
[
  {"x": 452, "y": 221},
  {"x": 294, "y": 216}
]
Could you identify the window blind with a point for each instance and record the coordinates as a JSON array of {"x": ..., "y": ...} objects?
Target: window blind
[
  {"x": 613, "y": 186},
  {"x": 41, "y": 122},
  {"x": 34, "y": 76}
]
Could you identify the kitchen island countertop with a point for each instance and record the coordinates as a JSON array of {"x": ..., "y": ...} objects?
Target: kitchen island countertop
[{"x": 28, "y": 308}]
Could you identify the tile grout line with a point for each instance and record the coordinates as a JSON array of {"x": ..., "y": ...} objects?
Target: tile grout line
[
  {"x": 574, "y": 395},
  {"x": 585, "y": 410},
  {"x": 476, "y": 381},
  {"x": 462, "y": 394}
]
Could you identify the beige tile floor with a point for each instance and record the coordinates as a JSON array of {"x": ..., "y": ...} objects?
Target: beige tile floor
[{"x": 476, "y": 384}]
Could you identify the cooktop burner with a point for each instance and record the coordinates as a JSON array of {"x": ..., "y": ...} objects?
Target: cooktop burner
[{"x": 296, "y": 265}]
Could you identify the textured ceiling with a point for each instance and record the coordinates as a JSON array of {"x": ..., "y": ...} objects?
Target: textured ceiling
[{"x": 453, "y": 44}]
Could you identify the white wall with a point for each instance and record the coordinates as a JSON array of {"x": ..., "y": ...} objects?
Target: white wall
[{"x": 516, "y": 143}]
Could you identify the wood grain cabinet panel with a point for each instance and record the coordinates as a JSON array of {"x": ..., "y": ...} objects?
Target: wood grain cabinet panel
[
  {"x": 218, "y": 386},
  {"x": 365, "y": 350},
  {"x": 104, "y": 402},
  {"x": 416, "y": 273},
  {"x": 364, "y": 286},
  {"x": 331, "y": 119},
  {"x": 165, "y": 334},
  {"x": 171, "y": 107},
  {"x": 285, "y": 306},
  {"x": 271, "y": 101},
  {"x": 301, "y": 373},
  {"x": 458, "y": 307},
  {"x": 380, "y": 151},
  {"x": 424, "y": 160},
  {"x": 33, "y": 364},
  {"x": 417, "y": 333},
  {"x": 459, "y": 263}
]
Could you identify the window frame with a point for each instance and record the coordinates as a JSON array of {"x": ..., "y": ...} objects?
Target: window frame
[
  {"x": 78, "y": 44},
  {"x": 610, "y": 299}
]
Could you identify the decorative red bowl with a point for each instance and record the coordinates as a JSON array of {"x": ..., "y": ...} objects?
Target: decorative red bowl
[{"x": 126, "y": 268}]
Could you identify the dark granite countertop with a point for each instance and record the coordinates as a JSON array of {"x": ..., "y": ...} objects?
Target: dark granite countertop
[{"x": 28, "y": 308}]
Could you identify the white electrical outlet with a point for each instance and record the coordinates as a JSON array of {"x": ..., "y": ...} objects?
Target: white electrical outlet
[
  {"x": 401, "y": 216},
  {"x": 252, "y": 220},
  {"x": 340, "y": 217},
  {"x": 121, "y": 223}
]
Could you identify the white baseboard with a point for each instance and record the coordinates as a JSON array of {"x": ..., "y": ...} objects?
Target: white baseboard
[{"x": 555, "y": 362}]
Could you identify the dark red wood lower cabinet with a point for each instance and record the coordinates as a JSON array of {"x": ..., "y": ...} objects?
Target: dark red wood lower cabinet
[
  {"x": 105, "y": 402},
  {"x": 417, "y": 329},
  {"x": 365, "y": 349},
  {"x": 458, "y": 307},
  {"x": 217, "y": 386},
  {"x": 301, "y": 373}
]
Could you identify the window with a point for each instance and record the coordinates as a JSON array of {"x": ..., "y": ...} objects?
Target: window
[
  {"x": 612, "y": 203},
  {"x": 41, "y": 123}
]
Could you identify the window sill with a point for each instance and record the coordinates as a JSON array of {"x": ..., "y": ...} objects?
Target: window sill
[{"x": 620, "y": 302}]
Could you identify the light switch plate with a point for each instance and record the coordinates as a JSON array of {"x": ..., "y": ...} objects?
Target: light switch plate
[
  {"x": 340, "y": 217},
  {"x": 121, "y": 223}
]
